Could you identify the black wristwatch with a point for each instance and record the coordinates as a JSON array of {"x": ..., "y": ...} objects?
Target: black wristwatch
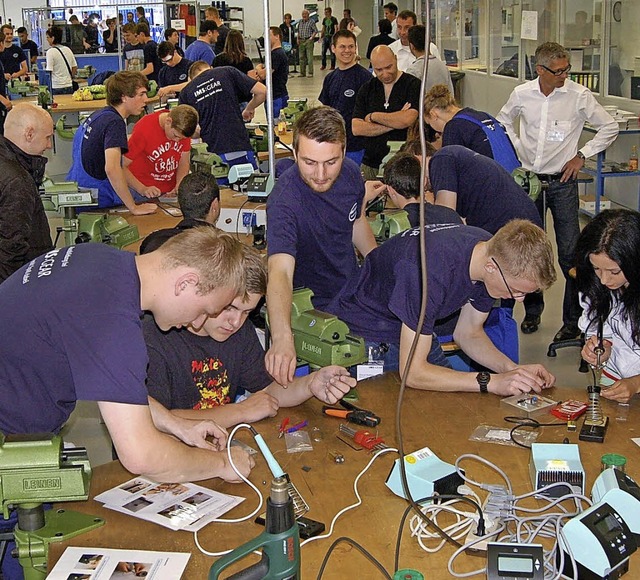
[{"x": 483, "y": 379}]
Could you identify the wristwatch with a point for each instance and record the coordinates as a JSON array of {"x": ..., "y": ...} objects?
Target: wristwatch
[
  {"x": 581, "y": 155},
  {"x": 483, "y": 379}
]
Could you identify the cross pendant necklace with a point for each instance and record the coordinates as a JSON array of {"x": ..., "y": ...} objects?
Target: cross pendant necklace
[{"x": 386, "y": 105}]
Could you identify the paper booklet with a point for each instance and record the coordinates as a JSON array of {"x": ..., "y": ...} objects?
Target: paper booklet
[
  {"x": 177, "y": 506},
  {"x": 108, "y": 564}
]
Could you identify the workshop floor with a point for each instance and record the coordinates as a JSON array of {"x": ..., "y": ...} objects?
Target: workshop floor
[{"x": 85, "y": 427}]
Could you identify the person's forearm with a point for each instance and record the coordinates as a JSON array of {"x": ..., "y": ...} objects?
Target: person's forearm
[
  {"x": 226, "y": 416},
  {"x": 183, "y": 169},
  {"x": 147, "y": 70},
  {"x": 478, "y": 347},
  {"x": 428, "y": 377},
  {"x": 118, "y": 181},
  {"x": 363, "y": 237},
  {"x": 133, "y": 181},
  {"x": 279, "y": 297},
  {"x": 362, "y": 128},
  {"x": 295, "y": 394},
  {"x": 397, "y": 120}
]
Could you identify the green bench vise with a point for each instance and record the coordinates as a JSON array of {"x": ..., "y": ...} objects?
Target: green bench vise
[
  {"x": 85, "y": 72},
  {"x": 36, "y": 469},
  {"x": 293, "y": 110},
  {"x": 388, "y": 224},
  {"x": 66, "y": 126},
  {"x": 210, "y": 163},
  {"x": 321, "y": 339},
  {"x": 107, "y": 229},
  {"x": 22, "y": 88}
]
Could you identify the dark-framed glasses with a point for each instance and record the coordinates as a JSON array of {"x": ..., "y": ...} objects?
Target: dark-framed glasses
[
  {"x": 559, "y": 72},
  {"x": 514, "y": 294}
]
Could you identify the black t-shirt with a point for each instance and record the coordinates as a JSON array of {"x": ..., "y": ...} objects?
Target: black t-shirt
[
  {"x": 371, "y": 99},
  {"x": 459, "y": 131},
  {"x": 187, "y": 371},
  {"x": 280, "y": 75},
  {"x": 433, "y": 214},
  {"x": 31, "y": 46},
  {"x": 223, "y": 59},
  {"x": 151, "y": 56},
  {"x": 223, "y": 31},
  {"x": 11, "y": 59},
  {"x": 174, "y": 75}
]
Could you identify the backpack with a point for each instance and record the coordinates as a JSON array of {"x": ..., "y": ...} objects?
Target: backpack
[
  {"x": 101, "y": 77},
  {"x": 503, "y": 150}
]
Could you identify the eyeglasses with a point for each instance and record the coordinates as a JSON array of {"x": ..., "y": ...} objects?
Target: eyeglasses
[
  {"x": 559, "y": 72},
  {"x": 168, "y": 58},
  {"x": 514, "y": 295}
]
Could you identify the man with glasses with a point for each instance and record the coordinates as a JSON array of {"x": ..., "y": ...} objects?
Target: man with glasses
[
  {"x": 174, "y": 72},
  {"x": 467, "y": 270},
  {"x": 552, "y": 111}
]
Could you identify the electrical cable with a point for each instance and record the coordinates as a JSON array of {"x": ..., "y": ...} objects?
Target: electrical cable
[
  {"x": 522, "y": 422},
  {"x": 245, "y": 202},
  {"x": 243, "y": 478},
  {"x": 360, "y": 548}
]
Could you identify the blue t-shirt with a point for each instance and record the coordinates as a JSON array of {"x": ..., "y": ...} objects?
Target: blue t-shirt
[
  {"x": 462, "y": 132},
  {"x": 339, "y": 91},
  {"x": 386, "y": 293},
  {"x": 433, "y": 214},
  {"x": 72, "y": 332},
  {"x": 200, "y": 50},
  {"x": 316, "y": 229},
  {"x": 150, "y": 52},
  {"x": 216, "y": 94},
  {"x": 105, "y": 129},
  {"x": 174, "y": 75},
  {"x": 280, "y": 74},
  {"x": 487, "y": 196}
]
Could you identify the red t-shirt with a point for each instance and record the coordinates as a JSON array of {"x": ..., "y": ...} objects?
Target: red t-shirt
[{"x": 154, "y": 158}]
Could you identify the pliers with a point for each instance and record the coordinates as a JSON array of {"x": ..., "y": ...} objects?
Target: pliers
[{"x": 353, "y": 414}]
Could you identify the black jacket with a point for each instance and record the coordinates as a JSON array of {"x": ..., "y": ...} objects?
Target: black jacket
[
  {"x": 155, "y": 239},
  {"x": 24, "y": 229}
]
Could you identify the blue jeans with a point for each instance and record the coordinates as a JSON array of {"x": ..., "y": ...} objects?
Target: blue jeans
[
  {"x": 326, "y": 47},
  {"x": 390, "y": 355},
  {"x": 562, "y": 200}
]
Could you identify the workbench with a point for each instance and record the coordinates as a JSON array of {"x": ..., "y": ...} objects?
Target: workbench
[
  {"x": 230, "y": 204},
  {"x": 441, "y": 421}
]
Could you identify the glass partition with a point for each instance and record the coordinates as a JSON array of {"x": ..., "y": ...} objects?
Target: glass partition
[{"x": 623, "y": 18}]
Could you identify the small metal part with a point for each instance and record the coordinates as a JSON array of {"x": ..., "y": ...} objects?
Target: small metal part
[
  {"x": 306, "y": 468},
  {"x": 337, "y": 457},
  {"x": 571, "y": 425},
  {"x": 316, "y": 434}
]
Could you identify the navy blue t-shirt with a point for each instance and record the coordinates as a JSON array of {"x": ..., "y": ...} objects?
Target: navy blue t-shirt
[
  {"x": 433, "y": 214},
  {"x": 280, "y": 74},
  {"x": 316, "y": 229},
  {"x": 11, "y": 59},
  {"x": 105, "y": 129},
  {"x": 386, "y": 293},
  {"x": 462, "y": 132},
  {"x": 70, "y": 330},
  {"x": 339, "y": 91},
  {"x": 370, "y": 98},
  {"x": 216, "y": 94},
  {"x": 150, "y": 51},
  {"x": 487, "y": 196},
  {"x": 174, "y": 75}
]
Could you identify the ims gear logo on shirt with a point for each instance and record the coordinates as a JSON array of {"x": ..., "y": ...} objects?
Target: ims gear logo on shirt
[{"x": 353, "y": 212}]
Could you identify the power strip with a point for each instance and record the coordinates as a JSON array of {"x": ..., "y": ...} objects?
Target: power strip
[{"x": 494, "y": 507}]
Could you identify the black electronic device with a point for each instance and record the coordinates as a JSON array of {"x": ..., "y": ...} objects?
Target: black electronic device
[
  {"x": 308, "y": 528},
  {"x": 514, "y": 561},
  {"x": 258, "y": 186}
]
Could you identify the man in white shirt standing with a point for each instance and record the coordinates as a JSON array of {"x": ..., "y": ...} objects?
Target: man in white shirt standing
[
  {"x": 553, "y": 111},
  {"x": 406, "y": 19}
]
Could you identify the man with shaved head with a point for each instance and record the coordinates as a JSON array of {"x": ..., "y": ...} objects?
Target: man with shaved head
[
  {"x": 385, "y": 107},
  {"x": 24, "y": 229}
]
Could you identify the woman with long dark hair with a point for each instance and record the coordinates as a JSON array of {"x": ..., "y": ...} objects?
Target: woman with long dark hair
[
  {"x": 234, "y": 53},
  {"x": 608, "y": 279}
]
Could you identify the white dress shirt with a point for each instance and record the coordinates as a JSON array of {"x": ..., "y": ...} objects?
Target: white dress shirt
[
  {"x": 394, "y": 29},
  {"x": 550, "y": 126},
  {"x": 405, "y": 56}
]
